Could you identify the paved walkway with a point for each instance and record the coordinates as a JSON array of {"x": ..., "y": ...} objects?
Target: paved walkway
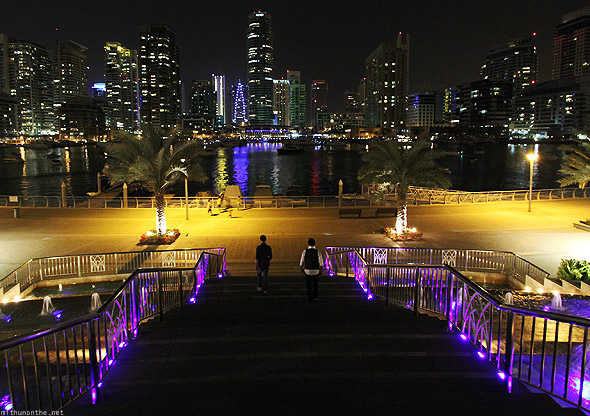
[
  {"x": 241, "y": 352},
  {"x": 543, "y": 236}
]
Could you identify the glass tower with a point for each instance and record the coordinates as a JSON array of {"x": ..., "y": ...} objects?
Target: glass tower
[
  {"x": 159, "y": 71},
  {"x": 122, "y": 86},
  {"x": 260, "y": 66}
]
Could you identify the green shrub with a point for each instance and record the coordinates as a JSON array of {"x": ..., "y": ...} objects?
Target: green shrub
[{"x": 572, "y": 269}]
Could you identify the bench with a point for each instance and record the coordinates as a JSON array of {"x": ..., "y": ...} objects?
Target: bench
[
  {"x": 350, "y": 211},
  {"x": 386, "y": 210}
]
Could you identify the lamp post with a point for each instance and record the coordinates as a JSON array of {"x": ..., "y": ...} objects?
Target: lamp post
[
  {"x": 185, "y": 192},
  {"x": 531, "y": 157}
]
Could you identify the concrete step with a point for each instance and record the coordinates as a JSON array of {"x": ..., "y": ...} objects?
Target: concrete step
[{"x": 239, "y": 351}]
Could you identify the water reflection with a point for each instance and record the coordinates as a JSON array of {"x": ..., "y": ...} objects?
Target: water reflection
[{"x": 316, "y": 171}]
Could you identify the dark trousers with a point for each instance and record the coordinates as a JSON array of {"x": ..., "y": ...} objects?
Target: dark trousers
[
  {"x": 312, "y": 286},
  {"x": 263, "y": 279}
]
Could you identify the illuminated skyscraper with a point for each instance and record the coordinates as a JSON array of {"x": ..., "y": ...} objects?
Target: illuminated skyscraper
[
  {"x": 515, "y": 60},
  {"x": 26, "y": 74},
  {"x": 70, "y": 72},
  {"x": 571, "y": 45},
  {"x": 122, "y": 86},
  {"x": 220, "y": 93},
  {"x": 159, "y": 74},
  {"x": 240, "y": 114},
  {"x": 260, "y": 67},
  {"x": 386, "y": 85},
  {"x": 298, "y": 100},
  {"x": 281, "y": 102},
  {"x": 319, "y": 99},
  {"x": 203, "y": 99}
]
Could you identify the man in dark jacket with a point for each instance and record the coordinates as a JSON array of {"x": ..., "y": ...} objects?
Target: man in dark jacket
[
  {"x": 263, "y": 257},
  {"x": 311, "y": 265}
]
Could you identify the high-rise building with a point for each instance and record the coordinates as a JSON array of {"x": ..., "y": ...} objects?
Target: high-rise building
[
  {"x": 260, "y": 68},
  {"x": 425, "y": 109},
  {"x": 281, "y": 102},
  {"x": 298, "y": 100},
  {"x": 240, "y": 112},
  {"x": 203, "y": 99},
  {"x": 220, "y": 93},
  {"x": 70, "y": 72},
  {"x": 319, "y": 100},
  {"x": 571, "y": 45},
  {"x": 451, "y": 105},
  {"x": 352, "y": 101},
  {"x": 485, "y": 103},
  {"x": 515, "y": 60},
  {"x": 159, "y": 74},
  {"x": 8, "y": 115},
  {"x": 557, "y": 106},
  {"x": 26, "y": 74},
  {"x": 122, "y": 86},
  {"x": 386, "y": 86}
]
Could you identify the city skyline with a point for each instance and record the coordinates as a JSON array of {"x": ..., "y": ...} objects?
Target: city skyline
[{"x": 322, "y": 41}]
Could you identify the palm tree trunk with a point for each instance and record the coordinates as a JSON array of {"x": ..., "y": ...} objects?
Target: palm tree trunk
[
  {"x": 160, "y": 214},
  {"x": 401, "y": 221}
]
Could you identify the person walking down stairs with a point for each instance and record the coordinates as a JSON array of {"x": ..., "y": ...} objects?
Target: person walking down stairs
[
  {"x": 311, "y": 265},
  {"x": 263, "y": 258}
]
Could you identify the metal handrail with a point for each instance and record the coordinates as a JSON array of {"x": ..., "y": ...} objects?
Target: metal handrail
[
  {"x": 48, "y": 369},
  {"x": 41, "y": 268},
  {"x": 542, "y": 348},
  {"x": 471, "y": 260},
  {"x": 431, "y": 196}
]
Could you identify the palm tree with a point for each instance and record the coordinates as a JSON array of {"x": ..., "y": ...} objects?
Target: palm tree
[
  {"x": 575, "y": 167},
  {"x": 394, "y": 166},
  {"x": 153, "y": 161}
]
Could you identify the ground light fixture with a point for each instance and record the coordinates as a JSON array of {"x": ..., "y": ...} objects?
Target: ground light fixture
[{"x": 531, "y": 157}]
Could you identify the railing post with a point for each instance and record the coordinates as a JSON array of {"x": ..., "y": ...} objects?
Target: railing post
[
  {"x": 161, "y": 312},
  {"x": 388, "y": 276},
  {"x": 347, "y": 260},
  {"x": 79, "y": 267},
  {"x": 180, "y": 293},
  {"x": 417, "y": 291},
  {"x": 509, "y": 353},
  {"x": 448, "y": 300},
  {"x": 94, "y": 367}
]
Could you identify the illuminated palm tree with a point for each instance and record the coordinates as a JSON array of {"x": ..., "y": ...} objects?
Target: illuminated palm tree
[
  {"x": 575, "y": 167},
  {"x": 394, "y": 166},
  {"x": 153, "y": 161}
]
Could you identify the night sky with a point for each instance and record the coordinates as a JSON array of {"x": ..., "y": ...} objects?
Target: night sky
[{"x": 323, "y": 39}]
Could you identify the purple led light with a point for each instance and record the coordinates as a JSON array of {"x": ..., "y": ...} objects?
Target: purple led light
[
  {"x": 220, "y": 275},
  {"x": 93, "y": 396},
  {"x": 463, "y": 337},
  {"x": 110, "y": 362},
  {"x": 481, "y": 355},
  {"x": 6, "y": 404},
  {"x": 193, "y": 300},
  {"x": 453, "y": 305},
  {"x": 502, "y": 375},
  {"x": 331, "y": 274},
  {"x": 546, "y": 308},
  {"x": 100, "y": 385},
  {"x": 370, "y": 296}
]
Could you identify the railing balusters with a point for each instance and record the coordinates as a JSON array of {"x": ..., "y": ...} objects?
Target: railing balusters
[{"x": 583, "y": 367}]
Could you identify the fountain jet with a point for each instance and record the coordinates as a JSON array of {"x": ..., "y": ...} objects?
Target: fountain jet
[
  {"x": 48, "y": 307},
  {"x": 95, "y": 302}
]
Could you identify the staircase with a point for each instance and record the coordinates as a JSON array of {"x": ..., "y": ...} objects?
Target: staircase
[{"x": 238, "y": 351}]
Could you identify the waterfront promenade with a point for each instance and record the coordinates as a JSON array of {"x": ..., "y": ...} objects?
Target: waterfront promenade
[{"x": 543, "y": 236}]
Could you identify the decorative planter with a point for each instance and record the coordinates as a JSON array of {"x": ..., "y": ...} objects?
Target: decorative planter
[{"x": 153, "y": 238}]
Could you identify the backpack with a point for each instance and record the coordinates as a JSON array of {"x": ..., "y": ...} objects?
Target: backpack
[{"x": 311, "y": 260}]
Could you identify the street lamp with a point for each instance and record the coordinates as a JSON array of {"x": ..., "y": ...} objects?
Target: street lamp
[
  {"x": 531, "y": 157},
  {"x": 185, "y": 192}
]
